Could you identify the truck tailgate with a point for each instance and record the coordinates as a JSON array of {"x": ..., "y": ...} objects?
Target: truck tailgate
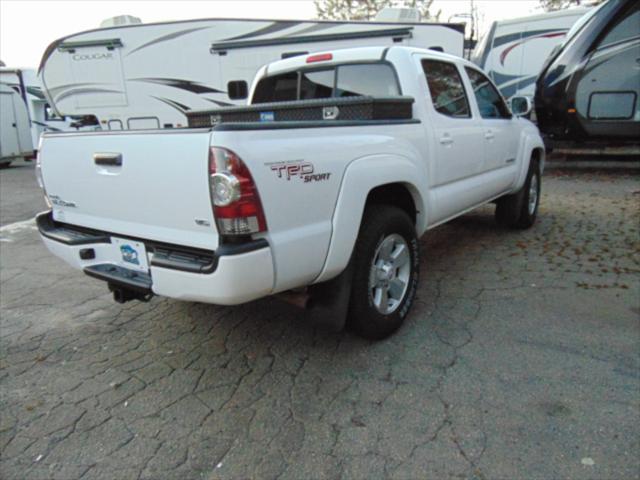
[{"x": 149, "y": 185}]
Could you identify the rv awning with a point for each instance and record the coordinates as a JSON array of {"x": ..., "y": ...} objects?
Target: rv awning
[
  {"x": 110, "y": 44},
  {"x": 390, "y": 32}
]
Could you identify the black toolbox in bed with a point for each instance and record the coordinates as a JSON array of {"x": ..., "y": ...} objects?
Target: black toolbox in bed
[{"x": 321, "y": 109}]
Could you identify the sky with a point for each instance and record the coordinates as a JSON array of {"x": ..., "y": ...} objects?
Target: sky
[{"x": 27, "y": 27}]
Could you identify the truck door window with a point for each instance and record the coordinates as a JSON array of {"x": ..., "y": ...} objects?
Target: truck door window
[
  {"x": 376, "y": 80},
  {"x": 316, "y": 84},
  {"x": 490, "y": 102},
  {"x": 446, "y": 88}
]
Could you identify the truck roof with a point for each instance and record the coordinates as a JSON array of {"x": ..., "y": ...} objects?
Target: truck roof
[{"x": 346, "y": 55}]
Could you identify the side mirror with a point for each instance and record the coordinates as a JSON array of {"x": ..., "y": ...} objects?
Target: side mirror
[{"x": 521, "y": 106}]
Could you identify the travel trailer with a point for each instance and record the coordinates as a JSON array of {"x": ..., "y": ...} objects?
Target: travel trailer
[
  {"x": 512, "y": 52},
  {"x": 588, "y": 91},
  {"x": 150, "y": 75},
  {"x": 15, "y": 127},
  {"x": 41, "y": 117}
]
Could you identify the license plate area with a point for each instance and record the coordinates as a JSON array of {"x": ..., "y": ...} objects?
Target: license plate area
[{"x": 130, "y": 254}]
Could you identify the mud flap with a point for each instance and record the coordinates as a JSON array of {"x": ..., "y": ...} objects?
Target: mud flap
[{"x": 329, "y": 303}]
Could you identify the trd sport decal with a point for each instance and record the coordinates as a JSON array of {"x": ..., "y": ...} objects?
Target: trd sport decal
[{"x": 305, "y": 171}]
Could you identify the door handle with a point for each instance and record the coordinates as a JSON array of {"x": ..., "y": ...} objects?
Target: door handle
[
  {"x": 446, "y": 139},
  {"x": 489, "y": 135},
  {"x": 108, "y": 159}
]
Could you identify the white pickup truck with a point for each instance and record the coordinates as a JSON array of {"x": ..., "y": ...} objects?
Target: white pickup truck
[{"x": 321, "y": 187}]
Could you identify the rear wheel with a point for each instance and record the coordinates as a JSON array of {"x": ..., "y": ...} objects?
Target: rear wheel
[
  {"x": 386, "y": 272},
  {"x": 5, "y": 164},
  {"x": 519, "y": 210}
]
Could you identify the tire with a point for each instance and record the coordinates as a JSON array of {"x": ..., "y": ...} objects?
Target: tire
[
  {"x": 385, "y": 233},
  {"x": 519, "y": 210},
  {"x": 5, "y": 164}
]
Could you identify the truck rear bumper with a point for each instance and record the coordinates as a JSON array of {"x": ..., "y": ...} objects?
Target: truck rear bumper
[
  {"x": 230, "y": 276},
  {"x": 238, "y": 279}
]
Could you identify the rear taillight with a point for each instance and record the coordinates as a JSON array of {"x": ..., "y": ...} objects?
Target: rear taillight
[{"x": 234, "y": 196}]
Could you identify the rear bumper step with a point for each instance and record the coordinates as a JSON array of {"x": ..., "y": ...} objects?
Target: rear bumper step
[
  {"x": 187, "y": 262},
  {"x": 122, "y": 277},
  {"x": 68, "y": 235}
]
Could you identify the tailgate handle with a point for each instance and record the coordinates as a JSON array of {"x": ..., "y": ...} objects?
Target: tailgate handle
[{"x": 109, "y": 159}]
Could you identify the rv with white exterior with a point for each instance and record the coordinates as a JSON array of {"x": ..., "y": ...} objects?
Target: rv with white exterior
[
  {"x": 15, "y": 127},
  {"x": 40, "y": 116},
  {"x": 149, "y": 75},
  {"x": 512, "y": 52}
]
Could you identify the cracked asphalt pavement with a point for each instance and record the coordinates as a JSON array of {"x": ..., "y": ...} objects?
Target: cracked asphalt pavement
[{"x": 520, "y": 359}]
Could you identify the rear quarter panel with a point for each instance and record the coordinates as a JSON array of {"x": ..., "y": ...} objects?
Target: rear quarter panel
[{"x": 300, "y": 212}]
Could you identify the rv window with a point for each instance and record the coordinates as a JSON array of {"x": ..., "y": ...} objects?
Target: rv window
[
  {"x": 446, "y": 88},
  {"x": 237, "y": 90},
  {"x": 628, "y": 27},
  {"x": 490, "y": 102},
  {"x": 376, "y": 80},
  {"x": 318, "y": 84},
  {"x": 612, "y": 105},
  {"x": 115, "y": 125},
  {"x": 279, "y": 88},
  {"x": 143, "y": 123}
]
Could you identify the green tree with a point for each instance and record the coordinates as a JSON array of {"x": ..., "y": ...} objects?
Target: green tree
[{"x": 367, "y": 9}]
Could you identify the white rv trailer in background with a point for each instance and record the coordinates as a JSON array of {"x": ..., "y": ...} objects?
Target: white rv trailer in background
[
  {"x": 512, "y": 52},
  {"x": 149, "y": 75},
  {"x": 15, "y": 126},
  {"x": 40, "y": 116}
]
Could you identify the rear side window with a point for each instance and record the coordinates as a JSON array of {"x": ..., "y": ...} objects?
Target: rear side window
[
  {"x": 490, "y": 102},
  {"x": 369, "y": 79},
  {"x": 446, "y": 88},
  {"x": 280, "y": 88}
]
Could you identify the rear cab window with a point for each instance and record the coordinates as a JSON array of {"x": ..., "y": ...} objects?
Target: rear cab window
[{"x": 350, "y": 80}]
